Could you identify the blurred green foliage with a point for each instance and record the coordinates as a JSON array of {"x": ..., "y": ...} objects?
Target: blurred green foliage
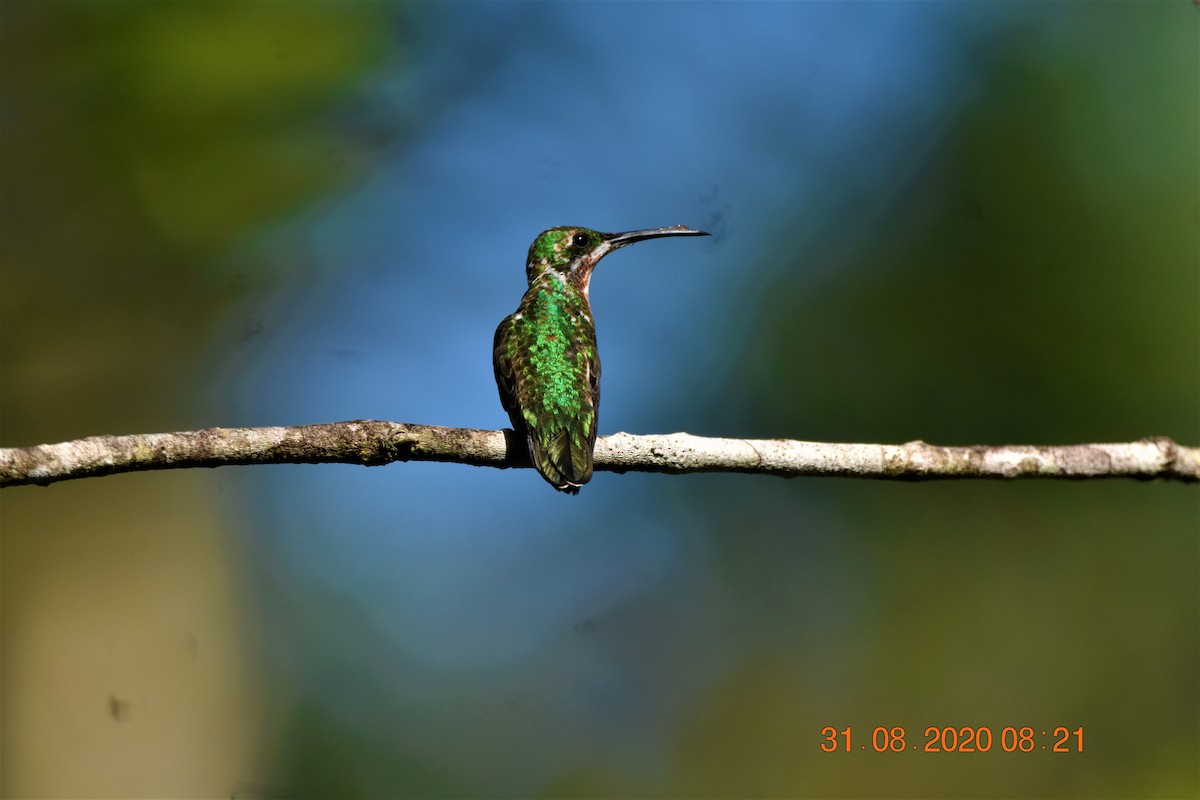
[
  {"x": 1036, "y": 282},
  {"x": 140, "y": 141}
]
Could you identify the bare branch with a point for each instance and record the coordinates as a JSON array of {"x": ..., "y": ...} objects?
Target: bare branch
[
  {"x": 1157, "y": 457},
  {"x": 372, "y": 443}
]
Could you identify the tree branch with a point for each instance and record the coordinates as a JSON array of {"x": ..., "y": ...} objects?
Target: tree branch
[{"x": 371, "y": 443}]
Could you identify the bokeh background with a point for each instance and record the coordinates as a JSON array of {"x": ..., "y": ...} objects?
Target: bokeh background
[{"x": 956, "y": 222}]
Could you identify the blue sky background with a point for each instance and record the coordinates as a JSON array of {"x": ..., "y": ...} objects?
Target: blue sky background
[{"x": 757, "y": 123}]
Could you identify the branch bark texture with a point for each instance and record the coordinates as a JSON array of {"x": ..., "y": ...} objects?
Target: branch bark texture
[{"x": 372, "y": 443}]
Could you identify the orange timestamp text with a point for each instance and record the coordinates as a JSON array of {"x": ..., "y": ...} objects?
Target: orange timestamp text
[{"x": 966, "y": 739}]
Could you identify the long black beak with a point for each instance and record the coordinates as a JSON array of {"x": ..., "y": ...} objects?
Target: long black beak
[{"x": 629, "y": 237}]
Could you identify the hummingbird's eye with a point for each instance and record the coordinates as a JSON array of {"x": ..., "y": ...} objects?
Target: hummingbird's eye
[{"x": 581, "y": 240}]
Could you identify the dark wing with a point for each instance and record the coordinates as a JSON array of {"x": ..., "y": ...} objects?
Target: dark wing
[
  {"x": 506, "y": 379},
  {"x": 594, "y": 388}
]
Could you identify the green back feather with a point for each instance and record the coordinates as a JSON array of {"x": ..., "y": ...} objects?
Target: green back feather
[{"x": 549, "y": 378}]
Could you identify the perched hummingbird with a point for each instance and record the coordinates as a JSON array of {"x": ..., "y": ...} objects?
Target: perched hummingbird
[{"x": 545, "y": 355}]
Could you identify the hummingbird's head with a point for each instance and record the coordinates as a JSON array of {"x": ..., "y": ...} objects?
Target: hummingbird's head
[
  {"x": 573, "y": 252},
  {"x": 565, "y": 250}
]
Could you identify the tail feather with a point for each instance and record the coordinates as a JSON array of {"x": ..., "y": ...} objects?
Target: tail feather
[{"x": 563, "y": 461}]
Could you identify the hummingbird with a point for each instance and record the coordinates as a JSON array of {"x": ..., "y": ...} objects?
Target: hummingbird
[{"x": 547, "y": 367}]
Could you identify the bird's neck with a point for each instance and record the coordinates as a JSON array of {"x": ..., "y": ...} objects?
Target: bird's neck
[{"x": 570, "y": 288}]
